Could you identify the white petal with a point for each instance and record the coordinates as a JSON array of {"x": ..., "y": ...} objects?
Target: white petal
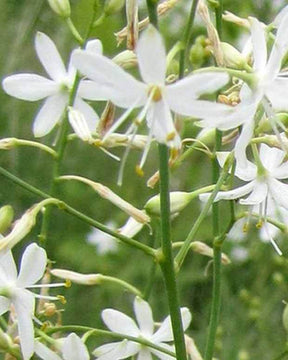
[
  {"x": 144, "y": 354},
  {"x": 8, "y": 270},
  {"x": 271, "y": 157},
  {"x": 49, "y": 57},
  {"x": 165, "y": 333},
  {"x": 44, "y": 352},
  {"x": 281, "y": 172},
  {"x": 88, "y": 112},
  {"x": 279, "y": 192},
  {"x": 161, "y": 124},
  {"x": 151, "y": 56},
  {"x": 90, "y": 90},
  {"x": 280, "y": 16},
  {"x": 259, "y": 44},
  {"x": 242, "y": 143},
  {"x": 144, "y": 316},
  {"x": 162, "y": 355},
  {"x": 123, "y": 89},
  {"x": 201, "y": 109},
  {"x": 29, "y": 87},
  {"x": 33, "y": 264},
  {"x": 279, "y": 49},
  {"x": 95, "y": 46},
  {"x": 117, "y": 351},
  {"x": 258, "y": 195},
  {"x": 195, "y": 85},
  {"x": 74, "y": 349},
  {"x": 233, "y": 194},
  {"x": 276, "y": 93},
  {"x": 49, "y": 114},
  {"x": 24, "y": 306},
  {"x": 119, "y": 322}
]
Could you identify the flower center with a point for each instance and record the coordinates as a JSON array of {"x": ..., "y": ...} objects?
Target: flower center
[{"x": 155, "y": 92}]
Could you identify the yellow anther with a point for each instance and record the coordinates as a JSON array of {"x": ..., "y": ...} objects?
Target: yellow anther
[
  {"x": 245, "y": 228},
  {"x": 62, "y": 299},
  {"x": 171, "y": 136},
  {"x": 139, "y": 171},
  {"x": 259, "y": 224},
  {"x": 67, "y": 283}
]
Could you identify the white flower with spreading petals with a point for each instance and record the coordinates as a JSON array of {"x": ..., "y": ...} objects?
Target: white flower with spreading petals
[
  {"x": 13, "y": 291},
  {"x": 72, "y": 349},
  {"x": 269, "y": 89},
  {"x": 118, "y": 322},
  {"x": 263, "y": 183},
  {"x": 156, "y": 98},
  {"x": 56, "y": 91}
]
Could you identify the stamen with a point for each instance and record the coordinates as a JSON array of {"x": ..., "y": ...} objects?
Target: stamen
[{"x": 156, "y": 93}]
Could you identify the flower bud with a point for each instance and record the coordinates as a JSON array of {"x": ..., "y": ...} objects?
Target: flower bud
[
  {"x": 6, "y": 217},
  {"x": 83, "y": 279},
  {"x": 126, "y": 59},
  {"x": 113, "y": 6},
  {"x": 130, "y": 228},
  {"x": 203, "y": 249},
  {"x": 178, "y": 201},
  {"x": 8, "y": 143},
  {"x": 61, "y": 7},
  {"x": 232, "y": 57}
]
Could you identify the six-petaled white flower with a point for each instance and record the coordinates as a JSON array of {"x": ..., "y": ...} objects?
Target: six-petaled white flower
[
  {"x": 118, "y": 322},
  {"x": 156, "y": 98},
  {"x": 269, "y": 89},
  {"x": 56, "y": 90},
  {"x": 14, "y": 291}
]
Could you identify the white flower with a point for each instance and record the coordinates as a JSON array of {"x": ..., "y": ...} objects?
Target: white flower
[
  {"x": 56, "y": 90},
  {"x": 118, "y": 322},
  {"x": 72, "y": 349},
  {"x": 263, "y": 184},
  {"x": 270, "y": 88},
  {"x": 14, "y": 291},
  {"x": 156, "y": 98}
]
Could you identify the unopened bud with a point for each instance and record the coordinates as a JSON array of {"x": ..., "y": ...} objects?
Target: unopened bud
[
  {"x": 126, "y": 59},
  {"x": 203, "y": 249},
  {"x": 232, "y": 57},
  {"x": 6, "y": 217},
  {"x": 178, "y": 201},
  {"x": 5, "y": 341},
  {"x": 8, "y": 143},
  {"x": 198, "y": 55},
  {"x": 109, "y": 195},
  {"x": 83, "y": 279},
  {"x": 61, "y": 7},
  {"x": 113, "y": 6}
]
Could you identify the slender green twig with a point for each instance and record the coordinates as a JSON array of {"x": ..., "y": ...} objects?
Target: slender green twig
[
  {"x": 187, "y": 38},
  {"x": 70, "y": 210},
  {"x": 186, "y": 246},
  {"x": 217, "y": 245},
  {"x": 152, "y": 12},
  {"x": 166, "y": 263},
  {"x": 114, "y": 335}
]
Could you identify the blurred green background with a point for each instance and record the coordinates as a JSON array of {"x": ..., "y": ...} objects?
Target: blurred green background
[{"x": 254, "y": 287}]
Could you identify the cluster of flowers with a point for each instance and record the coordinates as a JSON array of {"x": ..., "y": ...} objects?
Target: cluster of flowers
[{"x": 261, "y": 98}]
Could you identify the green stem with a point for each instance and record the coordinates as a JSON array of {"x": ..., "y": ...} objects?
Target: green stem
[
  {"x": 114, "y": 335},
  {"x": 75, "y": 32},
  {"x": 166, "y": 262},
  {"x": 187, "y": 39},
  {"x": 122, "y": 283},
  {"x": 70, "y": 210},
  {"x": 152, "y": 12},
  {"x": 186, "y": 246}
]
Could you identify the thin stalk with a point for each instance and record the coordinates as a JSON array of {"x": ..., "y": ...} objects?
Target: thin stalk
[
  {"x": 152, "y": 12},
  {"x": 70, "y": 210},
  {"x": 114, "y": 335},
  {"x": 187, "y": 38},
  {"x": 186, "y": 246},
  {"x": 166, "y": 262},
  {"x": 217, "y": 245}
]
